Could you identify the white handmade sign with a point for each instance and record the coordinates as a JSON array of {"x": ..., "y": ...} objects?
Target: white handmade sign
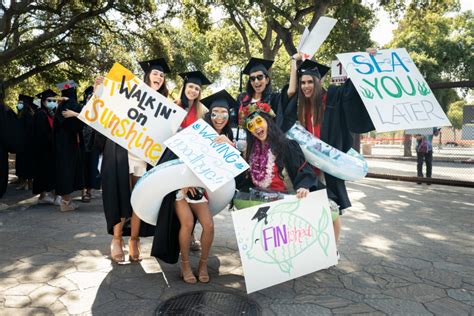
[
  {"x": 303, "y": 38},
  {"x": 317, "y": 36},
  {"x": 394, "y": 92},
  {"x": 130, "y": 113},
  {"x": 338, "y": 74},
  {"x": 214, "y": 164},
  {"x": 285, "y": 239}
]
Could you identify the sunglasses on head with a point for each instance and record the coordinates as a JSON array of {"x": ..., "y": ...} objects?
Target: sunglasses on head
[
  {"x": 255, "y": 122},
  {"x": 257, "y": 77},
  {"x": 223, "y": 116}
]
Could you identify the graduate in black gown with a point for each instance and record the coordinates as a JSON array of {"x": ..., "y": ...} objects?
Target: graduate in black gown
[
  {"x": 259, "y": 88},
  {"x": 179, "y": 209},
  {"x": 118, "y": 181},
  {"x": 90, "y": 155},
  {"x": 67, "y": 136},
  {"x": 44, "y": 162},
  {"x": 24, "y": 165},
  {"x": 331, "y": 116},
  {"x": 11, "y": 137}
]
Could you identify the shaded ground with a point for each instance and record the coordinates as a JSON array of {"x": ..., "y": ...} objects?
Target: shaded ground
[{"x": 406, "y": 249}]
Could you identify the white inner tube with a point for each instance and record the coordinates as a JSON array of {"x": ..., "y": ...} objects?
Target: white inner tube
[
  {"x": 153, "y": 186},
  {"x": 348, "y": 166}
]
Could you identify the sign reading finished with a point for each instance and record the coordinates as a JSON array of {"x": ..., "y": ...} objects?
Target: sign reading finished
[
  {"x": 285, "y": 239},
  {"x": 394, "y": 92},
  {"x": 214, "y": 164},
  {"x": 129, "y": 112}
]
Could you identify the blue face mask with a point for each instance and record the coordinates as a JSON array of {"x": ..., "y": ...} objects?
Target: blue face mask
[
  {"x": 51, "y": 104},
  {"x": 19, "y": 106}
]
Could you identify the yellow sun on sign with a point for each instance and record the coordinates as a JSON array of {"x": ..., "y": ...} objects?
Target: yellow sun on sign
[{"x": 115, "y": 76}]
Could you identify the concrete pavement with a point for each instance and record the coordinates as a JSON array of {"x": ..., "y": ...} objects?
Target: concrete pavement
[{"x": 406, "y": 249}]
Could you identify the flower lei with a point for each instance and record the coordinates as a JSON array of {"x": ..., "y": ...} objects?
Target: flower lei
[{"x": 262, "y": 163}]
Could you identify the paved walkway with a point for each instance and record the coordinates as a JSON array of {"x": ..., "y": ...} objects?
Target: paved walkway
[{"x": 406, "y": 249}]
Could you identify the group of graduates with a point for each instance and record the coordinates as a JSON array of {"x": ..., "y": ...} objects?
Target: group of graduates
[
  {"x": 277, "y": 164},
  {"x": 55, "y": 155}
]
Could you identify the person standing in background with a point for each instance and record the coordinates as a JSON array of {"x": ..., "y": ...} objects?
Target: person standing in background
[{"x": 424, "y": 152}]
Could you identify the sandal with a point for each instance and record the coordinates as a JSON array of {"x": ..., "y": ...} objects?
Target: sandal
[
  {"x": 86, "y": 197},
  {"x": 188, "y": 275},
  {"x": 203, "y": 276},
  {"x": 116, "y": 251},
  {"x": 134, "y": 249}
]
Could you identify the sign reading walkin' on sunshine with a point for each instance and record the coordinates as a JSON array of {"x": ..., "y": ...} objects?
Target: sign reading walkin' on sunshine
[
  {"x": 393, "y": 90},
  {"x": 133, "y": 115},
  {"x": 285, "y": 239},
  {"x": 214, "y": 164}
]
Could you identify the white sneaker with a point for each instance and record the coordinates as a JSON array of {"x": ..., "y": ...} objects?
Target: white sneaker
[{"x": 57, "y": 201}]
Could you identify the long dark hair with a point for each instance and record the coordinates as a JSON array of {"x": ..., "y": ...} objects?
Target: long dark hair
[
  {"x": 163, "y": 90},
  {"x": 268, "y": 89},
  {"x": 316, "y": 103},
  {"x": 275, "y": 137},
  {"x": 226, "y": 130}
]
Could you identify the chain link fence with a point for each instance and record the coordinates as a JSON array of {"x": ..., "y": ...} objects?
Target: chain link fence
[{"x": 393, "y": 155}]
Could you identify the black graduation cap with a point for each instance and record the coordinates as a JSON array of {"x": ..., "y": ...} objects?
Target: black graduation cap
[
  {"x": 25, "y": 98},
  {"x": 309, "y": 67},
  {"x": 256, "y": 64},
  {"x": 261, "y": 214},
  {"x": 219, "y": 99},
  {"x": 196, "y": 77},
  {"x": 89, "y": 90},
  {"x": 159, "y": 64},
  {"x": 46, "y": 94}
]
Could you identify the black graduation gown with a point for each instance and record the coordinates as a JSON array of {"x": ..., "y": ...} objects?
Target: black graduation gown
[
  {"x": 44, "y": 162},
  {"x": 11, "y": 140},
  {"x": 344, "y": 113},
  {"x": 24, "y": 164},
  {"x": 116, "y": 192},
  {"x": 67, "y": 134}
]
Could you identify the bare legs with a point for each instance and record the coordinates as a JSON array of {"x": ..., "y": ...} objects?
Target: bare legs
[
  {"x": 116, "y": 247},
  {"x": 134, "y": 242},
  {"x": 337, "y": 228},
  {"x": 184, "y": 211}
]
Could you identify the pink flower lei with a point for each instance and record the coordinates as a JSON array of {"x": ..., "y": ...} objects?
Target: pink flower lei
[{"x": 262, "y": 163}]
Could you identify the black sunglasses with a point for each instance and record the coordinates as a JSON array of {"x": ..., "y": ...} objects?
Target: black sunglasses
[{"x": 258, "y": 77}]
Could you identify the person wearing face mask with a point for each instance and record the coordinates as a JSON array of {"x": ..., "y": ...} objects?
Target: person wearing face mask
[
  {"x": 67, "y": 133},
  {"x": 179, "y": 210},
  {"x": 120, "y": 171},
  {"x": 24, "y": 166},
  {"x": 44, "y": 175}
]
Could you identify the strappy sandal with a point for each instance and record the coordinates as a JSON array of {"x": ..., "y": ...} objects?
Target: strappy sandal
[
  {"x": 187, "y": 276},
  {"x": 134, "y": 255},
  {"x": 117, "y": 256},
  {"x": 86, "y": 197},
  {"x": 203, "y": 275}
]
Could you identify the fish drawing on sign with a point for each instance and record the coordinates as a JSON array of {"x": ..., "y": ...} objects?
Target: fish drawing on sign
[{"x": 284, "y": 235}]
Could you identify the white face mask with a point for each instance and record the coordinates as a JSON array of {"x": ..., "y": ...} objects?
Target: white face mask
[
  {"x": 19, "y": 106},
  {"x": 51, "y": 104}
]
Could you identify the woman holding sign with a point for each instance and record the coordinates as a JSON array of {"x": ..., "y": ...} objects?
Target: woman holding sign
[
  {"x": 331, "y": 116},
  {"x": 177, "y": 214},
  {"x": 276, "y": 163},
  {"x": 120, "y": 171}
]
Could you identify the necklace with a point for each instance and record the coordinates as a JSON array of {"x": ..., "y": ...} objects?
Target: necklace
[{"x": 262, "y": 163}]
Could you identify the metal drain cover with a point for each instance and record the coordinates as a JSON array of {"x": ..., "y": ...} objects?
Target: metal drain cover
[{"x": 208, "y": 303}]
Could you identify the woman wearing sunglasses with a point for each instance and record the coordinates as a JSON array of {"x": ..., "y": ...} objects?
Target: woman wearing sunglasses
[
  {"x": 276, "y": 163},
  {"x": 259, "y": 89},
  {"x": 218, "y": 116}
]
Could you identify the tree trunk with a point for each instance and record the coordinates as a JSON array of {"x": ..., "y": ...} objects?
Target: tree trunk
[{"x": 407, "y": 145}]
